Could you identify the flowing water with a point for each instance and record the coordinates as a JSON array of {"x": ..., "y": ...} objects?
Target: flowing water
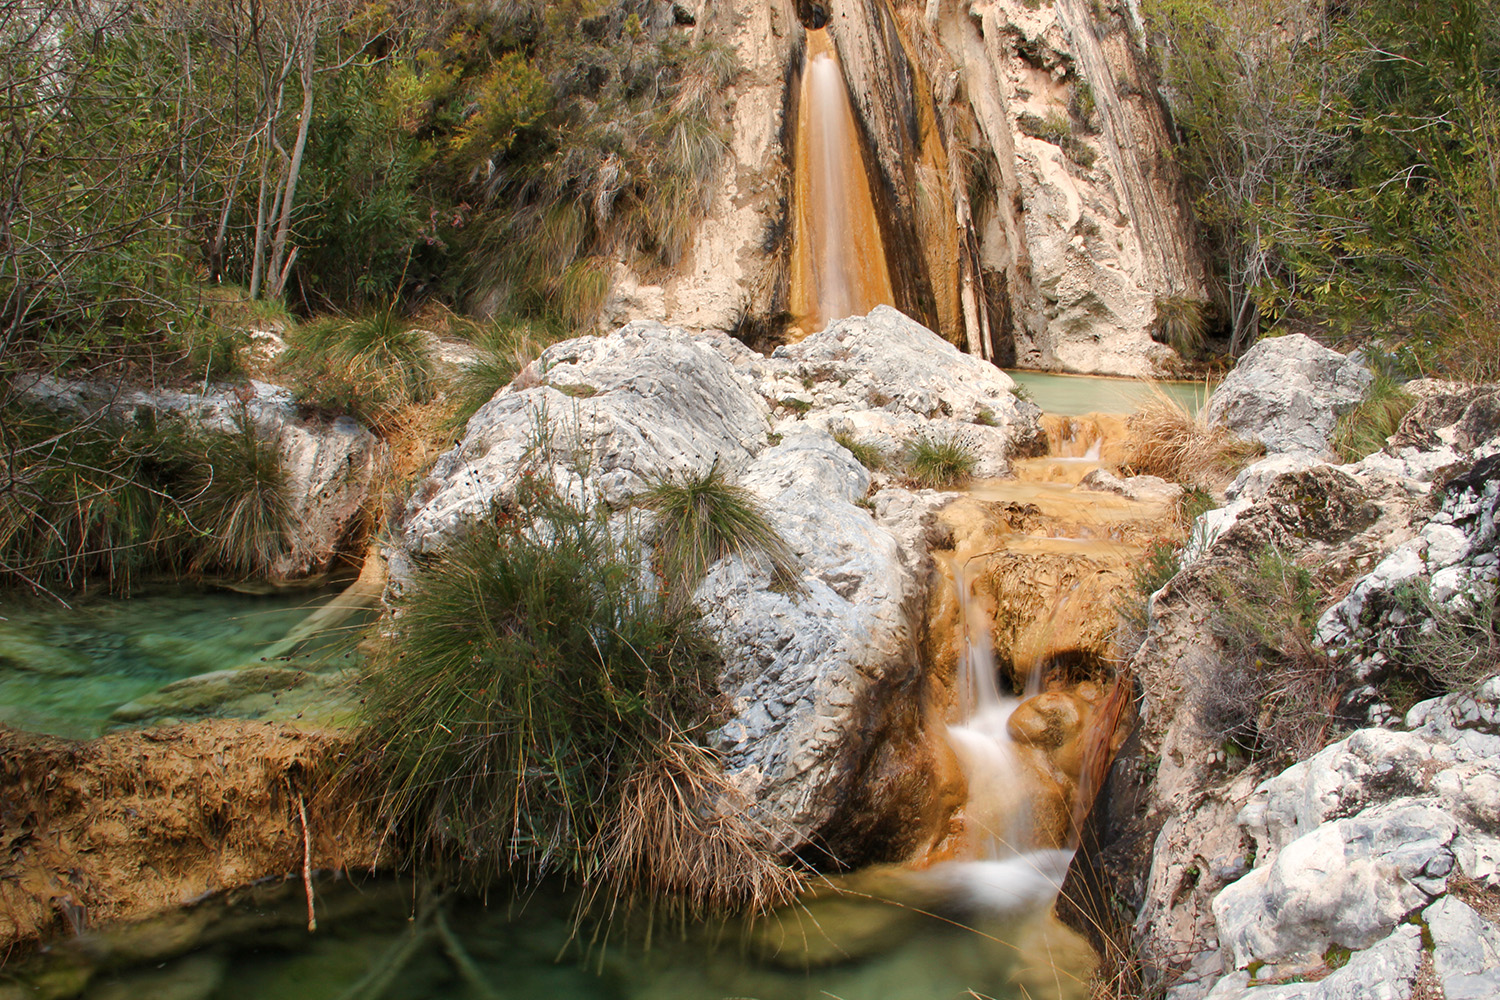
[{"x": 838, "y": 259}]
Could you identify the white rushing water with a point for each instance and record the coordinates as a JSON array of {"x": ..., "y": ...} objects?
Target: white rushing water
[{"x": 830, "y": 147}]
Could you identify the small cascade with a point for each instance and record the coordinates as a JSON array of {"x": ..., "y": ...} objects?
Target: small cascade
[
  {"x": 838, "y": 260},
  {"x": 997, "y": 813}
]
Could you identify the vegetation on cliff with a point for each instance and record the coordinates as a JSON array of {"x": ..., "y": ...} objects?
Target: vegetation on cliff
[{"x": 1343, "y": 159}]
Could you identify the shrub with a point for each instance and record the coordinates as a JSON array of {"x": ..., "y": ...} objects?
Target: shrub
[
  {"x": 1181, "y": 323},
  {"x": 1158, "y": 565},
  {"x": 533, "y": 685},
  {"x": 864, "y": 452},
  {"x": 704, "y": 518},
  {"x": 370, "y": 367},
  {"x": 937, "y": 462},
  {"x": 1167, "y": 440},
  {"x": 1363, "y": 430},
  {"x": 1453, "y": 646},
  {"x": 1275, "y": 693},
  {"x": 96, "y": 499}
]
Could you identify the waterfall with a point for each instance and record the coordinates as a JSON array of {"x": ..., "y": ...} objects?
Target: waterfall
[
  {"x": 839, "y": 265},
  {"x": 997, "y": 812}
]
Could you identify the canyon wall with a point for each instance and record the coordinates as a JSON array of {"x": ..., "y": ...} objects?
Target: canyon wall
[{"x": 1021, "y": 165}]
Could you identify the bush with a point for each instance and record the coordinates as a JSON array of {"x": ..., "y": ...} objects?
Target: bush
[
  {"x": 702, "y": 519},
  {"x": 1275, "y": 693},
  {"x": 940, "y": 462},
  {"x": 1363, "y": 430},
  {"x": 532, "y": 681},
  {"x": 370, "y": 367},
  {"x": 97, "y": 499}
]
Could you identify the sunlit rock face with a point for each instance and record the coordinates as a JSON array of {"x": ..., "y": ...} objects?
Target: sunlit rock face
[{"x": 1017, "y": 158}]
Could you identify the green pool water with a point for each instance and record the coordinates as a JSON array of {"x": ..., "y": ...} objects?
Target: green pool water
[
  {"x": 384, "y": 940},
  {"x": 1075, "y": 395},
  {"x": 67, "y": 671}
]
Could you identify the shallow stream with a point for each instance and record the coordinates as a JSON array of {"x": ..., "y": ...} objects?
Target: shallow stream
[{"x": 66, "y": 671}]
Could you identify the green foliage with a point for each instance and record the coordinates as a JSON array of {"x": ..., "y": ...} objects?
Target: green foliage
[
  {"x": 1341, "y": 159},
  {"x": 1363, "y": 430},
  {"x": 701, "y": 519},
  {"x": 531, "y": 671},
  {"x": 503, "y": 350},
  {"x": 241, "y": 500},
  {"x": 1181, "y": 324},
  {"x": 940, "y": 462},
  {"x": 1443, "y": 646},
  {"x": 1158, "y": 565},
  {"x": 370, "y": 367},
  {"x": 865, "y": 453},
  {"x": 1275, "y": 693},
  {"x": 98, "y": 500}
]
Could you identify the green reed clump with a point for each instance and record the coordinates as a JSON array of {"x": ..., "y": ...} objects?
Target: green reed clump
[
  {"x": 530, "y": 671},
  {"x": 865, "y": 453},
  {"x": 701, "y": 519},
  {"x": 503, "y": 349},
  {"x": 97, "y": 500},
  {"x": 370, "y": 367},
  {"x": 939, "y": 462},
  {"x": 1363, "y": 430}
]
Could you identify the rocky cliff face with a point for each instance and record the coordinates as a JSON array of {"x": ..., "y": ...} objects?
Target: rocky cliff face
[
  {"x": 1020, "y": 161},
  {"x": 1245, "y": 874}
]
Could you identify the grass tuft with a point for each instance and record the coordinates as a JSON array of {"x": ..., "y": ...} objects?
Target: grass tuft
[
  {"x": 865, "y": 453},
  {"x": 940, "y": 462},
  {"x": 242, "y": 500},
  {"x": 1363, "y": 430},
  {"x": 504, "y": 349},
  {"x": 97, "y": 500},
  {"x": 370, "y": 367},
  {"x": 701, "y": 519},
  {"x": 1167, "y": 440},
  {"x": 530, "y": 672},
  {"x": 1182, "y": 324}
]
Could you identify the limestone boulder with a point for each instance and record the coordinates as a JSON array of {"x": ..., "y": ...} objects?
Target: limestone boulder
[
  {"x": 820, "y": 678},
  {"x": 1288, "y": 393}
]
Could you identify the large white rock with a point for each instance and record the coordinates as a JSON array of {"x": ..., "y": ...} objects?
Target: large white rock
[
  {"x": 1382, "y": 972},
  {"x": 1288, "y": 392},
  {"x": 812, "y": 674},
  {"x": 1345, "y": 883}
]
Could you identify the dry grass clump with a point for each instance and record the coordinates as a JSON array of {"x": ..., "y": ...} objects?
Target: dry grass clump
[
  {"x": 681, "y": 829},
  {"x": 1167, "y": 440},
  {"x": 1274, "y": 694}
]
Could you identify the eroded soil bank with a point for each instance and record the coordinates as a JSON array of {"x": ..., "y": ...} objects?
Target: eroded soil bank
[{"x": 130, "y": 824}]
